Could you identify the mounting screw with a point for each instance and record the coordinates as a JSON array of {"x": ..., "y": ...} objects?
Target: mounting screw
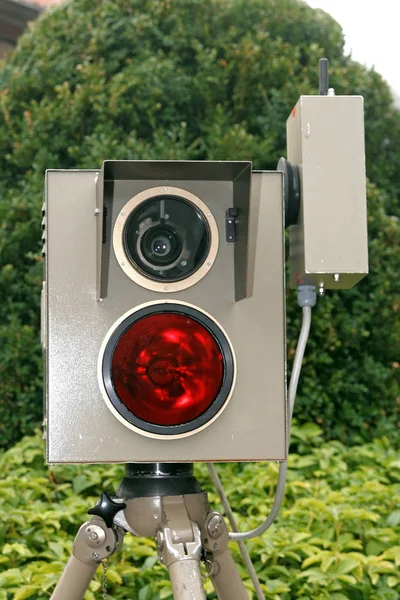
[
  {"x": 321, "y": 289},
  {"x": 336, "y": 277},
  {"x": 215, "y": 526},
  {"x": 95, "y": 536},
  {"x": 95, "y": 555},
  {"x": 165, "y": 189},
  {"x": 96, "y": 211}
]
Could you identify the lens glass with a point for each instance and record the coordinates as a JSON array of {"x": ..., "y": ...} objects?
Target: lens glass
[
  {"x": 167, "y": 369},
  {"x": 167, "y": 238}
]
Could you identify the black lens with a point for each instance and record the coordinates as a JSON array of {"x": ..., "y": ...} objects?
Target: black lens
[
  {"x": 167, "y": 238},
  {"x": 160, "y": 246}
]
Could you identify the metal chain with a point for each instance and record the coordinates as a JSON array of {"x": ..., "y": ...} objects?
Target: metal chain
[
  {"x": 104, "y": 562},
  {"x": 208, "y": 569}
]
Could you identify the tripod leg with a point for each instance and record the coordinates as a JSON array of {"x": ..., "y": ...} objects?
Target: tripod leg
[
  {"x": 186, "y": 579},
  {"x": 75, "y": 580},
  {"x": 94, "y": 542},
  {"x": 179, "y": 549},
  {"x": 224, "y": 573}
]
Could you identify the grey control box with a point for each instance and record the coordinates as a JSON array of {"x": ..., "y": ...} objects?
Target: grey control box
[{"x": 325, "y": 139}]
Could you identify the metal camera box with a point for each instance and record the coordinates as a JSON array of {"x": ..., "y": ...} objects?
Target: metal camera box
[{"x": 163, "y": 313}]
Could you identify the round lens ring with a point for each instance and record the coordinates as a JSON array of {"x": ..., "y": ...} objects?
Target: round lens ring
[
  {"x": 167, "y": 238},
  {"x": 191, "y": 267}
]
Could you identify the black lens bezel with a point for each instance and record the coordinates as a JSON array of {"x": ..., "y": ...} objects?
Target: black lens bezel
[
  {"x": 153, "y": 233},
  {"x": 228, "y": 369}
]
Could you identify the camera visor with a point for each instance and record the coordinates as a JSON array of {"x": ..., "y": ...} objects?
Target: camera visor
[{"x": 166, "y": 238}]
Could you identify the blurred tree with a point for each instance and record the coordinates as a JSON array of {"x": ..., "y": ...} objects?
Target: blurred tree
[{"x": 193, "y": 79}]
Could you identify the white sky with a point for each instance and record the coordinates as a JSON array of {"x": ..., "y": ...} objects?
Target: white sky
[{"x": 372, "y": 33}]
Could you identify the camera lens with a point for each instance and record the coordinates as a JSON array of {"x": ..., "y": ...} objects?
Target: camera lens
[
  {"x": 160, "y": 246},
  {"x": 166, "y": 238}
]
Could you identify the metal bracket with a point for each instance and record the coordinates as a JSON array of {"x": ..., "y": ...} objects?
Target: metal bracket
[
  {"x": 170, "y": 551},
  {"x": 95, "y": 541},
  {"x": 179, "y": 538}
]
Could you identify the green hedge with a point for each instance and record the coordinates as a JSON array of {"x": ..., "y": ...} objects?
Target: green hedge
[
  {"x": 336, "y": 537},
  {"x": 193, "y": 79}
]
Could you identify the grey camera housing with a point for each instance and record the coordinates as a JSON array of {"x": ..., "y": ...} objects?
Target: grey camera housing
[{"x": 86, "y": 291}]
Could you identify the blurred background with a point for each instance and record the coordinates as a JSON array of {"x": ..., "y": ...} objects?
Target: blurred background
[{"x": 84, "y": 81}]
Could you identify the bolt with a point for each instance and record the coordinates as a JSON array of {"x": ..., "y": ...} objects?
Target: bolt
[
  {"x": 183, "y": 263},
  {"x": 215, "y": 546},
  {"x": 336, "y": 277},
  {"x": 331, "y": 92},
  {"x": 96, "y": 211},
  {"x": 95, "y": 555},
  {"x": 166, "y": 288},
  {"x": 95, "y": 536},
  {"x": 215, "y": 526},
  {"x": 321, "y": 289},
  {"x": 165, "y": 189},
  {"x": 208, "y": 264}
]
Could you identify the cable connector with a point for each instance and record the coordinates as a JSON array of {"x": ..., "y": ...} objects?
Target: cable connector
[{"x": 306, "y": 295}]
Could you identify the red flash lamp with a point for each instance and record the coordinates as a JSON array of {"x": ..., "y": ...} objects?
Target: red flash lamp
[{"x": 167, "y": 369}]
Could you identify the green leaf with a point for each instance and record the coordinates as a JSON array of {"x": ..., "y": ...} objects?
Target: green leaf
[
  {"x": 81, "y": 483},
  {"x": 394, "y": 518},
  {"x": 17, "y": 548},
  {"x": 150, "y": 562},
  {"x": 145, "y": 593},
  {"x": 346, "y": 565},
  {"x": 276, "y": 586},
  {"x": 26, "y": 591},
  {"x": 11, "y": 578}
]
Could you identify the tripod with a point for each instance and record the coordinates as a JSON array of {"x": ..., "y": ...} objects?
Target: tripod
[{"x": 165, "y": 501}]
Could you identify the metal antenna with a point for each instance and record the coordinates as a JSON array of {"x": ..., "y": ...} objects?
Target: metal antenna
[{"x": 323, "y": 76}]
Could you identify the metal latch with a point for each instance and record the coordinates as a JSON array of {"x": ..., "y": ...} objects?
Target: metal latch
[{"x": 230, "y": 224}]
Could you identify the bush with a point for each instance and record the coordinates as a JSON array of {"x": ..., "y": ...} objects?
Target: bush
[
  {"x": 193, "y": 79},
  {"x": 336, "y": 537}
]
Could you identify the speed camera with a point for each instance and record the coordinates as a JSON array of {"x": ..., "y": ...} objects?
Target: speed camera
[
  {"x": 164, "y": 313},
  {"x": 163, "y": 305}
]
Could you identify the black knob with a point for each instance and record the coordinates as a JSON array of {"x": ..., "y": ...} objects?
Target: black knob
[{"x": 107, "y": 508}]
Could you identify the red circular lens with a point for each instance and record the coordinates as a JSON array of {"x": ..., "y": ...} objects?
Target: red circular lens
[{"x": 167, "y": 369}]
